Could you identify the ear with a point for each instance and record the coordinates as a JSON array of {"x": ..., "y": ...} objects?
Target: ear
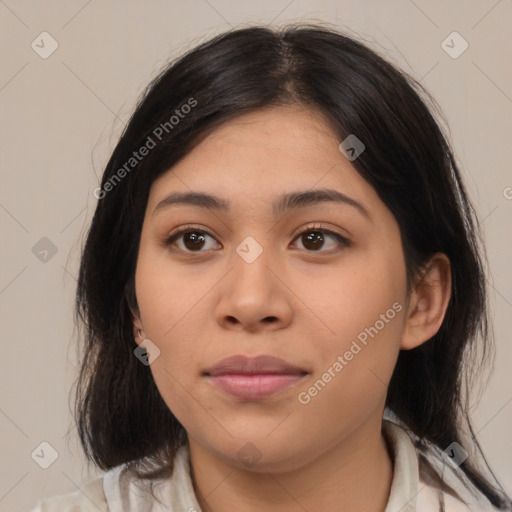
[
  {"x": 428, "y": 301},
  {"x": 137, "y": 325},
  {"x": 131, "y": 301}
]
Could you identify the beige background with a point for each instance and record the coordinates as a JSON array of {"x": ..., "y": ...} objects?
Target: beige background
[{"x": 61, "y": 117}]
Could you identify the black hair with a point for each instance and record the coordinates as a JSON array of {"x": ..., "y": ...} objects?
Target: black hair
[{"x": 121, "y": 416}]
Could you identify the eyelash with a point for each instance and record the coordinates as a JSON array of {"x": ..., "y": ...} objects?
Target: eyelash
[{"x": 344, "y": 242}]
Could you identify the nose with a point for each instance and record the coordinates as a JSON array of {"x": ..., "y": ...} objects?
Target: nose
[{"x": 254, "y": 295}]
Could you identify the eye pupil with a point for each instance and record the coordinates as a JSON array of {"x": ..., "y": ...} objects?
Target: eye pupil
[
  {"x": 315, "y": 237},
  {"x": 193, "y": 237}
]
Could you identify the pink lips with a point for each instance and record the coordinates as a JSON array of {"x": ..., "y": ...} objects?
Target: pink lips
[{"x": 253, "y": 378}]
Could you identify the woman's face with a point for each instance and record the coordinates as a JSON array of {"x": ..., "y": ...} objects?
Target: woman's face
[{"x": 245, "y": 281}]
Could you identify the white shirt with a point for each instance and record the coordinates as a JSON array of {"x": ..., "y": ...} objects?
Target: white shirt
[{"x": 409, "y": 492}]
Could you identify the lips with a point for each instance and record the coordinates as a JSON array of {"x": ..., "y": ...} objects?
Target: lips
[
  {"x": 253, "y": 378},
  {"x": 255, "y": 365}
]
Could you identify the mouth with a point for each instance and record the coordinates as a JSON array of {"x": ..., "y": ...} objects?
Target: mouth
[{"x": 253, "y": 378}]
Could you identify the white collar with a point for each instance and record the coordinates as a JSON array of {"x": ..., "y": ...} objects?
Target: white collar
[{"x": 408, "y": 493}]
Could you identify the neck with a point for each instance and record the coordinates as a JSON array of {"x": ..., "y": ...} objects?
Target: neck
[{"x": 354, "y": 475}]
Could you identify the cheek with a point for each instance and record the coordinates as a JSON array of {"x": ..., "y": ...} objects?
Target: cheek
[
  {"x": 165, "y": 307},
  {"x": 165, "y": 293},
  {"x": 363, "y": 307},
  {"x": 353, "y": 381},
  {"x": 366, "y": 291}
]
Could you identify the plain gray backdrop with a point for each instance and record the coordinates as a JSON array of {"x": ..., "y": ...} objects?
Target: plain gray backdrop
[{"x": 62, "y": 109}]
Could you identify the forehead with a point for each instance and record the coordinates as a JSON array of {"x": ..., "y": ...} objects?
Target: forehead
[
  {"x": 272, "y": 141},
  {"x": 256, "y": 157},
  {"x": 286, "y": 128}
]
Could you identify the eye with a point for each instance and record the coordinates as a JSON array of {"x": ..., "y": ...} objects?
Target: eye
[
  {"x": 313, "y": 239},
  {"x": 192, "y": 238}
]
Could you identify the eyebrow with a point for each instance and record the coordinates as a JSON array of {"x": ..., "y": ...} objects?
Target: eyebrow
[{"x": 280, "y": 206}]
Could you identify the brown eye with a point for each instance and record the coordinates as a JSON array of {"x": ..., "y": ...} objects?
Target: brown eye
[
  {"x": 314, "y": 239},
  {"x": 192, "y": 240}
]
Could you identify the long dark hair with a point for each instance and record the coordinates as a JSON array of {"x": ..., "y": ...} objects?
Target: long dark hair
[{"x": 121, "y": 416}]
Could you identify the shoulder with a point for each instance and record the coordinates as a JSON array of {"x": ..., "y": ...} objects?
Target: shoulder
[
  {"x": 430, "y": 498},
  {"x": 89, "y": 498},
  {"x": 455, "y": 490},
  {"x": 438, "y": 483},
  {"x": 118, "y": 490}
]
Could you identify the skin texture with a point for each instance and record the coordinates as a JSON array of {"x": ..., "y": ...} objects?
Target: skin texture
[{"x": 303, "y": 305}]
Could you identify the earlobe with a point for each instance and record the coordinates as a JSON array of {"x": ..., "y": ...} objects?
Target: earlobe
[
  {"x": 131, "y": 301},
  {"x": 428, "y": 303},
  {"x": 138, "y": 329}
]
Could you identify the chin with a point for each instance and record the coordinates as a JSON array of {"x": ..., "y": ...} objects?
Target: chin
[{"x": 260, "y": 455}]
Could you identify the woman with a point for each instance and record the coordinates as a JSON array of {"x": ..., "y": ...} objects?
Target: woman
[{"x": 283, "y": 291}]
